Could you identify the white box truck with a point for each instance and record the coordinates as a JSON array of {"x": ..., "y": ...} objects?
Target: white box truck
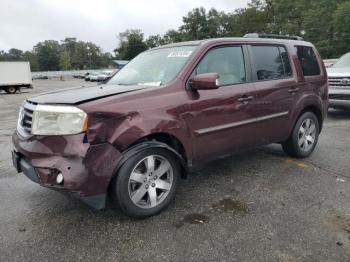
[{"x": 14, "y": 76}]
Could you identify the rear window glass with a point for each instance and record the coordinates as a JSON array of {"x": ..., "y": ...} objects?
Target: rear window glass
[
  {"x": 308, "y": 60},
  {"x": 271, "y": 62}
]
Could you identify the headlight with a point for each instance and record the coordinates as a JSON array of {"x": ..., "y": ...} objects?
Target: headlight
[{"x": 58, "y": 120}]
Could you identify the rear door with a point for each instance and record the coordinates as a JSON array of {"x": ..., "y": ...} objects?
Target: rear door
[
  {"x": 276, "y": 86},
  {"x": 313, "y": 72}
]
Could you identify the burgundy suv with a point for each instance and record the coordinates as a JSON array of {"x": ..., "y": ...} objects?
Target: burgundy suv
[{"x": 170, "y": 109}]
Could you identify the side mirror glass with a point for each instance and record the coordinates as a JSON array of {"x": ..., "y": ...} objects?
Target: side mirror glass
[{"x": 206, "y": 81}]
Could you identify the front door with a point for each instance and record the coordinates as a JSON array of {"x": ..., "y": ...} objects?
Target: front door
[{"x": 222, "y": 121}]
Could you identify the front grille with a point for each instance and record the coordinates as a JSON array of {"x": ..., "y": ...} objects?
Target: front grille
[
  {"x": 26, "y": 119},
  {"x": 341, "y": 82},
  {"x": 339, "y": 96}
]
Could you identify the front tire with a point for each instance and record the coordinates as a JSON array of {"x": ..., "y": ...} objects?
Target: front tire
[
  {"x": 146, "y": 183},
  {"x": 304, "y": 137}
]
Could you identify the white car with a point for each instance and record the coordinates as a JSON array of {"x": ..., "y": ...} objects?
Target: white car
[
  {"x": 91, "y": 77},
  {"x": 339, "y": 83},
  {"x": 104, "y": 75}
]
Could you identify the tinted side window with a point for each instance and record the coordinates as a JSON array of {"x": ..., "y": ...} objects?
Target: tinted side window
[
  {"x": 285, "y": 61},
  {"x": 308, "y": 60},
  {"x": 228, "y": 62},
  {"x": 271, "y": 62}
]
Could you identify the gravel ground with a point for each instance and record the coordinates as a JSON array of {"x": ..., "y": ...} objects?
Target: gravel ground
[{"x": 256, "y": 206}]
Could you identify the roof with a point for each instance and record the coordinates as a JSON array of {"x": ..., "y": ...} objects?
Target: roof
[{"x": 237, "y": 39}]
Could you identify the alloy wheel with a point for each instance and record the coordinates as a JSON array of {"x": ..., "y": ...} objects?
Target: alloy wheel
[
  {"x": 150, "y": 181},
  {"x": 307, "y": 134}
]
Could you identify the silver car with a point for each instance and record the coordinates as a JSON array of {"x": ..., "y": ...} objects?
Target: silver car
[{"x": 339, "y": 83}]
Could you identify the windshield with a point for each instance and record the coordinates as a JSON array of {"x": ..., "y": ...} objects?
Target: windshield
[
  {"x": 155, "y": 67},
  {"x": 344, "y": 61}
]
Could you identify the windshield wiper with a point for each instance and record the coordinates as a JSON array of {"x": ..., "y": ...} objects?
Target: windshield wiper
[{"x": 125, "y": 84}]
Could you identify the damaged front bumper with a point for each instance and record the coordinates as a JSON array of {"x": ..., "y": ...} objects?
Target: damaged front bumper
[{"x": 86, "y": 169}]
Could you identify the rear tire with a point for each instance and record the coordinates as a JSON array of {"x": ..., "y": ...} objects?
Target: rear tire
[
  {"x": 304, "y": 137},
  {"x": 146, "y": 183},
  {"x": 11, "y": 90}
]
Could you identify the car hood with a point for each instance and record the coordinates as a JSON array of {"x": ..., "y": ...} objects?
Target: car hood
[
  {"x": 338, "y": 71},
  {"x": 78, "y": 95}
]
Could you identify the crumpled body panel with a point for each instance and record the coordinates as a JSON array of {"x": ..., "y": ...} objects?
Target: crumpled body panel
[{"x": 87, "y": 169}]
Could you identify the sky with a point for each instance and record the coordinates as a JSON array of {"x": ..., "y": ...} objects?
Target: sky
[{"x": 24, "y": 23}]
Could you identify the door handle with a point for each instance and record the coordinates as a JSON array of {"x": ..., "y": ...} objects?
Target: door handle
[
  {"x": 293, "y": 90},
  {"x": 245, "y": 99}
]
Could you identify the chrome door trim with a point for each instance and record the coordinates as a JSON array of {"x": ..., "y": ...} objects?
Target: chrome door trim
[{"x": 212, "y": 129}]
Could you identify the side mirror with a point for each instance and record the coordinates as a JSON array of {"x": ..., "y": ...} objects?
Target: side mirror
[{"x": 205, "y": 81}]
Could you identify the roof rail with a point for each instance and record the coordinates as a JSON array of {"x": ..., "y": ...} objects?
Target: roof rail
[{"x": 256, "y": 35}]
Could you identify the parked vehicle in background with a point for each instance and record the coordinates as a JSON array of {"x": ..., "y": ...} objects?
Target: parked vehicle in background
[
  {"x": 79, "y": 75},
  {"x": 170, "y": 109},
  {"x": 93, "y": 77},
  {"x": 87, "y": 76},
  {"x": 40, "y": 77},
  {"x": 14, "y": 76},
  {"x": 339, "y": 83},
  {"x": 104, "y": 75},
  {"x": 329, "y": 62}
]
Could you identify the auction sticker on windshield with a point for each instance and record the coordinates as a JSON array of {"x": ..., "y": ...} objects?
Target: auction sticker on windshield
[{"x": 180, "y": 54}]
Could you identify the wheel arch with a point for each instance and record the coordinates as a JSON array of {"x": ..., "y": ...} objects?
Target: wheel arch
[
  {"x": 160, "y": 140},
  {"x": 169, "y": 139},
  {"x": 309, "y": 103},
  {"x": 314, "y": 109}
]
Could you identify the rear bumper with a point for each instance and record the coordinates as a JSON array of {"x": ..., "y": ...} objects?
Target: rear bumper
[{"x": 87, "y": 169}]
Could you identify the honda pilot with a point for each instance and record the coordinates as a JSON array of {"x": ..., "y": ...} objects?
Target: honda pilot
[{"x": 170, "y": 109}]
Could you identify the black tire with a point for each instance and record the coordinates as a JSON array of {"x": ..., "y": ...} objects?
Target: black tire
[
  {"x": 11, "y": 90},
  {"x": 120, "y": 184},
  {"x": 291, "y": 146}
]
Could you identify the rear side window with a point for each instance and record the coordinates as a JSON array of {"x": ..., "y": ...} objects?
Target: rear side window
[
  {"x": 308, "y": 60},
  {"x": 228, "y": 62},
  {"x": 271, "y": 62}
]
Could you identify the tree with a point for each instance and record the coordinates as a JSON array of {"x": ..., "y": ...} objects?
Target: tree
[
  {"x": 341, "y": 23},
  {"x": 2, "y": 55},
  {"x": 154, "y": 41},
  {"x": 83, "y": 55},
  {"x": 200, "y": 24},
  {"x": 48, "y": 53},
  {"x": 15, "y": 55},
  {"x": 32, "y": 58},
  {"x": 216, "y": 23},
  {"x": 131, "y": 43},
  {"x": 70, "y": 54},
  {"x": 195, "y": 25},
  {"x": 69, "y": 44},
  {"x": 322, "y": 22},
  {"x": 173, "y": 36},
  {"x": 249, "y": 20},
  {"x": 64, "y": 61}
]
